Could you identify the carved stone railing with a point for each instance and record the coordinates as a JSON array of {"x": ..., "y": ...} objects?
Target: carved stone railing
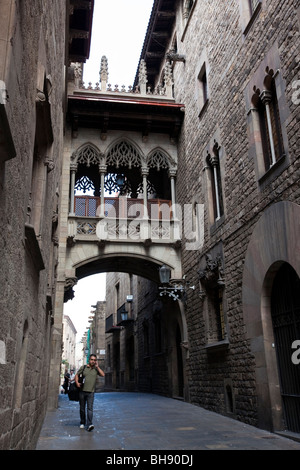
[
  {"x": 124, "y": 219},
  {"x": 164, "y": 90}
]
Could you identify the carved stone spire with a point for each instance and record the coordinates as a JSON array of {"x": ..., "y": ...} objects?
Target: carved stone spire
[
  {"x": 143, "y": 77},
  {"x": 169, "y": 80},
  {"x": 104, "y": 73}
]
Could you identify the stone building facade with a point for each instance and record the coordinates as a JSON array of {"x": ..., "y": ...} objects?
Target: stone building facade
[
  {"x": 32, "y": 113},
  {"x": 69, "y": 343},
  {"x": 143, "y": 338},
  {"x": 218, "y": 134},
  {"x": 236, "y": 69},
  {"x": 35, "y": 46}
]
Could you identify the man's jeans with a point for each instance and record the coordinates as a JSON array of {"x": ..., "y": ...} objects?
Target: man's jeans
[{"x": 86, "y": 398}]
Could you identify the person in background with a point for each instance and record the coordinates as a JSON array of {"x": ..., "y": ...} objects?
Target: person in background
[
  {"x": 66, "y": 381},
  {"x": 72, "y": 377},
  {"x": 87, "y": 390}
]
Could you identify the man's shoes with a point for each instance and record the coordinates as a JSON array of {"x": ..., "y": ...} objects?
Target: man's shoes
[
  {"x": 82, "y": 426},
  {"x": 90, "y": 428}
]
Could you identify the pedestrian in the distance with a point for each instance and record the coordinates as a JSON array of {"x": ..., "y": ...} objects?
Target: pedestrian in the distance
[
  {"x": 87, "y": 390},
  {"x": 66, "y": 381}
]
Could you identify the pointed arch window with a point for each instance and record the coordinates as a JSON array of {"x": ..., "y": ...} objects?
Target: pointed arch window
[
  {"x": 85, "y": 178},
  {"x": 123, "y": 154},
  {"x": 87, "y": 155}
]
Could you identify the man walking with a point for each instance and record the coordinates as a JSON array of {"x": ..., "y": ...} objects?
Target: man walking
[{"x": 87, "y": 389}]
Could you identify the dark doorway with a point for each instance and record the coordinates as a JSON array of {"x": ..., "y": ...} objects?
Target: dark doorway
[
  {"x": 285, "y": 308},
  {"x": 179, "y": 362}
]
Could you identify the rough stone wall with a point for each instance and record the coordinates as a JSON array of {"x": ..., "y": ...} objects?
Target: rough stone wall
[
  {"x": 150, "y": 370},
  {"x": 37, "y": 43},
  {"x": 214, "y": 36},
  {"x": 116, "y": 367},
  {"x": 152, "y": 364}
]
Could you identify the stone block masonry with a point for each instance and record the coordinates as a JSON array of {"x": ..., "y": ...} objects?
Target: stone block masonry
[
  {"x": 235, "y": 51},
  {"x": 29, "y": 193}
]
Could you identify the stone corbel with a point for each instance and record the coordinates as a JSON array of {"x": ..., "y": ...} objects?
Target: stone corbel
[
  {"x": 78, "y": 34},
  {"x": 55, "y": 241},
  {"x": 71, "y": 241},
  {"x": 40, "y": 97},
  {"x": 49, "y": 163},
  {"x": 69, "y": 284},
  {"x": 212, "y": 274},
  {"x": 174, "y": 56}
]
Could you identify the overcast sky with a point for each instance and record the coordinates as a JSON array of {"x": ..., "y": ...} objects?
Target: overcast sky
[{"x": 119, "y": 30}]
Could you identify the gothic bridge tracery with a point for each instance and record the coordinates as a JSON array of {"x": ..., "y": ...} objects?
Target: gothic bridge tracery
[{"x": 122, "y": 212}]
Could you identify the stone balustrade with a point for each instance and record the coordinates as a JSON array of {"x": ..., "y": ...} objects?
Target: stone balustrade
[{"x": 164, "y": 89}]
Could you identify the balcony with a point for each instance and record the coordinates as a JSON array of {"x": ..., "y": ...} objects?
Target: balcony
[
  {"x": 122, "y": 207},
  {"x": 123, "y": 218}
]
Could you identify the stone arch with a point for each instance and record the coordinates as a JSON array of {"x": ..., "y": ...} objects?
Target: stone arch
[
  {"x": 85, "y": 167},
  {"x": 275, "y": 240},
  {"x": 123, "y": 153},
  {"x": 88, "y": 154},
  {"x": 141, "y": 264},
  {"x": 160, "y": 159}
]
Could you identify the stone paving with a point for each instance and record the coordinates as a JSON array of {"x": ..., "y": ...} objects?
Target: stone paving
[{"x": 137, "y": 421}]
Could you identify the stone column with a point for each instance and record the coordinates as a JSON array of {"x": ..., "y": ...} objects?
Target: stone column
[
  {"x": 214, "y": 161},
  {"x": 266, "y": 98},
  {"x": 143, "y": 78},
  {"x": 103, "y": 170},
  {"x": 145, "y": 219},
  {"x": 145, "y": 173},
  {"x": 172, "y": 174},
  {"x": 74, "y": 167}
]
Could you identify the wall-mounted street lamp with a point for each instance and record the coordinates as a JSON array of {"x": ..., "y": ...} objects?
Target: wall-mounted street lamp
[
  {"x": 124, "y": 314},
  {"x": 175, "y": 288}
]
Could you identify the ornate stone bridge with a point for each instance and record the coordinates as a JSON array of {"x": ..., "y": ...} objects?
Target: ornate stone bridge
[{"x": 118, "y": 196}]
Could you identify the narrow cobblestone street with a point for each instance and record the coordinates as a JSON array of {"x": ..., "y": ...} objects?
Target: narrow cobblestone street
[{"x": 136, "y": 421}]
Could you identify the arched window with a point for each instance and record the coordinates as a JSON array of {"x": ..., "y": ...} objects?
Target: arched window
[
  {"x": 266, "y": 104},
  {"x": 285, "y": 310},
  {"x": 123, "y": 154}
]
